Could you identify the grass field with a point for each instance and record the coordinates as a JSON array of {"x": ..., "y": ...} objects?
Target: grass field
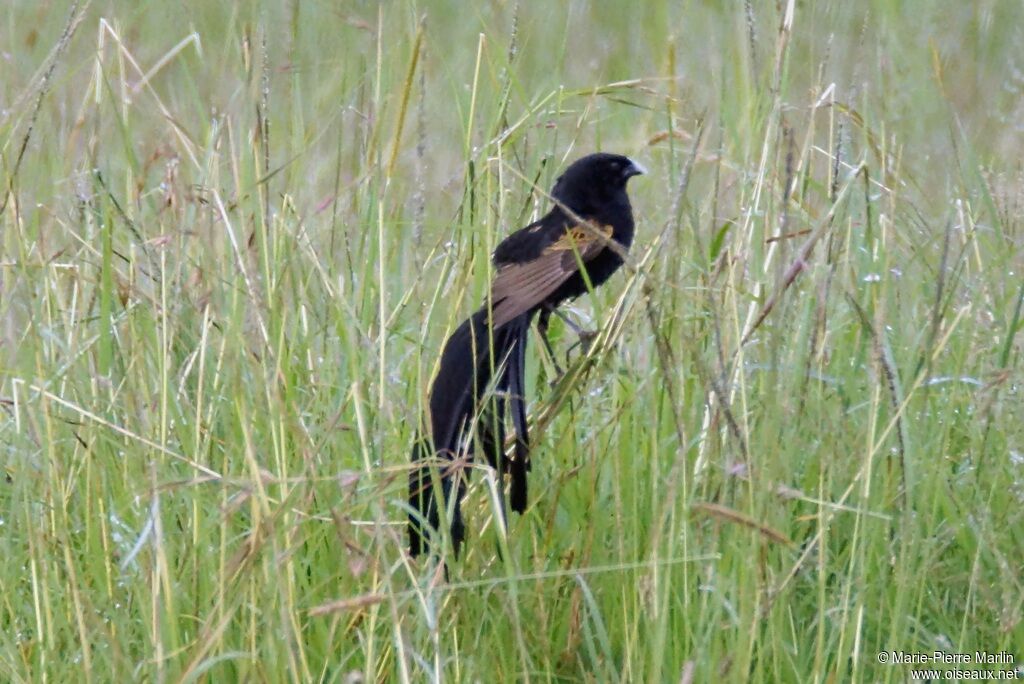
[{"x": 235, "y": 236}]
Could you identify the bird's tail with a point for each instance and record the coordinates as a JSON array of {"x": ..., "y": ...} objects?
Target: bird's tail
[{"x": 481, "y": 376}]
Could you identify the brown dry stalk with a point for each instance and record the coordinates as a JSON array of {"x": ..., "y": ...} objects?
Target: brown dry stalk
[{"x": 734, "y": 516}]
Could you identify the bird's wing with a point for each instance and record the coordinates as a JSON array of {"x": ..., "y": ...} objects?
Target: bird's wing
[{"x": 518, "y": 287}]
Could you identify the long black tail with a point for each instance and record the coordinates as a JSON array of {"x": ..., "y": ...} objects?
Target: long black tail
[{"x": 482, "y": 375}]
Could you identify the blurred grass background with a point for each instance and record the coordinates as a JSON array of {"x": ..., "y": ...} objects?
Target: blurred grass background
[{"x": 235, "y": 235}]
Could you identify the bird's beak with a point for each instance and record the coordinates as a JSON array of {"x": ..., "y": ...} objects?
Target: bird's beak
[{"x": 634, "y": 169}]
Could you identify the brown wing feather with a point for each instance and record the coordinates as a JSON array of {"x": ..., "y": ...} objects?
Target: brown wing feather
[{"x": 517, "y": 288}]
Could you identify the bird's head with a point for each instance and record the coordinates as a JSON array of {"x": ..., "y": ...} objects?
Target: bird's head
[{"x": 594, "y": 181}]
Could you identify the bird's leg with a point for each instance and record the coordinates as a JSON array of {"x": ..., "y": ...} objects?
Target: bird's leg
[
  {"x": 586, "y": 337},
  {"x": 542, "y": 327}
]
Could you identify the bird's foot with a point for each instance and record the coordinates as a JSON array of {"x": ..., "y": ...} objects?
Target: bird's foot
[{"x": 585, "y": 342}]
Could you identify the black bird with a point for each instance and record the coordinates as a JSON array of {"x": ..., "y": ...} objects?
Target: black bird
[{"x": 483, "y": 363}]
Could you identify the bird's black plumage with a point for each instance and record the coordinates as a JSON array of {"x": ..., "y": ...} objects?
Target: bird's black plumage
[{"x": 482, "y": 369}]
